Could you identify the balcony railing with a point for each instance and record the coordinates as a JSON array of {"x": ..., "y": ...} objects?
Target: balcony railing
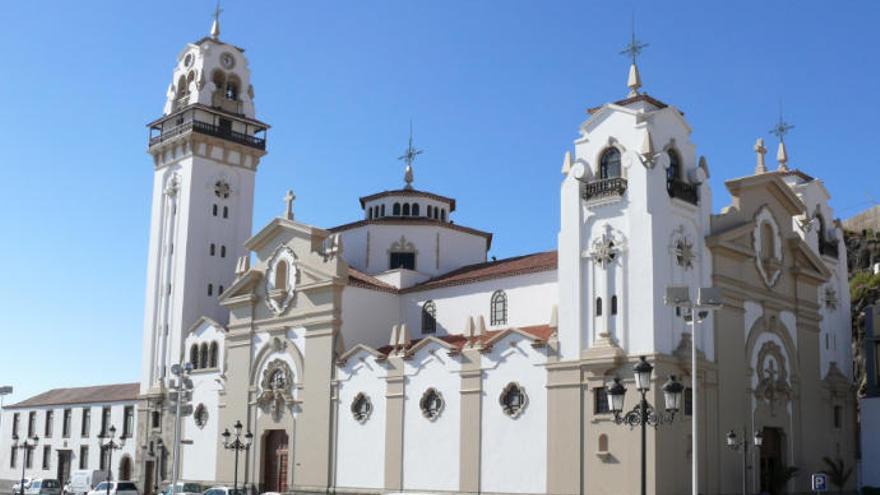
[
  {"x": 682, "y": 190},
  {"x": 829, "y": 247},
  {"x": 211, "y": 130},
  {"x": 604, "y": 188}
]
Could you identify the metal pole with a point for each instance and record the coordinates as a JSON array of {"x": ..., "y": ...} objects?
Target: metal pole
[
  {"x": 235, "y": 475},
  {"x": 643, "y": 416},
  {"x": 24, "y": 446},
  {"x": 745, "y": 463},
  {"x": 109, "y": 448},
  {"x": 176, "y": 451},
  {"x": 694, "y": 407}
]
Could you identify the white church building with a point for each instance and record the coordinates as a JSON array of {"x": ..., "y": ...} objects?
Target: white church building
[{"x": 388, "y": 354}]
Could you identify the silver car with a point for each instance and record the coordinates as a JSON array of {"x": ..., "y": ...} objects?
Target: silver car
[{"x": 43, "y": 486}]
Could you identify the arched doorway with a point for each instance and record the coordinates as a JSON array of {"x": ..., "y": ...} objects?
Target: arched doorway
[
  {"x": 124, "y": 473},
  {"x": 275, "y": 452},
  {"x": 774, "y": 479}
]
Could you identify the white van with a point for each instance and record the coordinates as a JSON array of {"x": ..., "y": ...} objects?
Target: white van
[{"x": 83, "y": 480}]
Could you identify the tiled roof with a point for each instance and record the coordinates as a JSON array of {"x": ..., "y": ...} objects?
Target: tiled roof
[
  {"x": 410, "y": 192},
  {"x": 509, "y": 267},
  {"x": 458, "y": 341},
  {"x": 632, "y": 99},
  {"x": 360, "y": 279},
  {"x": 82, "y": 395}
]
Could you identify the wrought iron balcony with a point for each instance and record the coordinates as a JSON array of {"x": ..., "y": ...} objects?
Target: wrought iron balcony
[
  {"x": 211, "y": 130},
  {"x": 604, "y": 188},
  {"x": 829, "y": 247},
  {"x": 683, "y": 191}
]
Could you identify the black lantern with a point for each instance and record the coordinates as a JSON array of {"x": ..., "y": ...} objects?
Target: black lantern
[
  {"x": 642, "y": 372},
  {"x": 672, "y": 392},
  {"x": 616, "y": 394}
]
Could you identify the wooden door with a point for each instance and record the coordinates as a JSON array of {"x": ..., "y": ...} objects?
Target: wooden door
[
  {"x": 275, "y": 452},
  {"x": 772, "y": 464},
  {"x": 63, "y": 475}
]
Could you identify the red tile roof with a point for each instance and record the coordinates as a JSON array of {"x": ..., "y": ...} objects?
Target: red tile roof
[
  {"x": 458, "y": 341},
  {"x": 360, "y": 279},
  {"x": 509, "y": 267},
  {"x": 82, "y": 395},
  {"x": 414, "y": 221}
]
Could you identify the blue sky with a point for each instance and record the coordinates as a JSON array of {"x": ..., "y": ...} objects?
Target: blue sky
[{"x": 496, "y": 91}]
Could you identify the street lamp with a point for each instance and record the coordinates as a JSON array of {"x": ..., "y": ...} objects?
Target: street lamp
[
  {"x": 735, "y": 444},
  {"x": 644, "y": 414},
  {"x": 27, "y": 448},
  {"x": 237, "y": 446},
  {"x": 182, "y": 387},
  {"x": 708, "y": 300},
  {"x": 110, "y": 446}
]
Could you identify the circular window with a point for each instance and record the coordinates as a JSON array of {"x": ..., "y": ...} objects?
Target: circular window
[
  {"x": 513, "y": 400},
  {"x": 227, "y": 60},
  {"x": 361, "y": 407},
  {"x": 221, "y": 189},
  {"x": 432, "y": 404},
  {"x": 200, "y": 415}
]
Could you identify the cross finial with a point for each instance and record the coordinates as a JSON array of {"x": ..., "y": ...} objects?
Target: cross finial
[
  {"x": 760, "y": 150},
  {"x": 780, "y": 130},
  {"x": 632, "y": 50},
  {"x": 215, "y": 26},
  {"x": 288, "y": 199},
  {"x": 409, "y": 156}
]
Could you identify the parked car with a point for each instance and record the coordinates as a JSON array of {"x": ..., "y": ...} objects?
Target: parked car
[
  {"x": 16, "y": 488},
  {"x": 83, "y": 480},
  {"x": 43, "y": 486},
  {"x": 114, "y": 488},
  {"x": 184, "y": 489},
  {"x": 224, "y": 490}
]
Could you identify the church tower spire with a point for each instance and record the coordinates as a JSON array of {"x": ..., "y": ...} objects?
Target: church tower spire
[
  {"x": 215, "y": 26},
  {"x": 632, "y": 50},
  {"x": 409, "y": 156}
]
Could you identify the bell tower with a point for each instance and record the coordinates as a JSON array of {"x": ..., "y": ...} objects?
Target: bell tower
[{"x": 205, "y": 148}]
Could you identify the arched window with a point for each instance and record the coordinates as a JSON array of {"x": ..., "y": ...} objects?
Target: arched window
[
  {"x": 212, "y": 357},
  {"x": 210, "y": 289},
  {"x": 182, "y": 86},
  {"x": 214, "y": 210},
  {"x": 820, "y": 220},
  {"x": 382, "y": 211},
  {"x": 598, "y": 306},
  {"x": 609, "y": 165},
  {"x": 395, "y": 210},
  {"x": 212, "y": 249},
  {"x": 436, "y": 213},
  {"x": 429, "y": 211},
  {"x": 203, "y": 356},
  {"x": 232, "y": 87},
  {"x": 415, "y": 209},
  {"x": 220, "y": 291},
  {"x": 443, "y": 215},
  {"x": 194, "y": 356},
  {"x": 768, "y": 242},
  {"x": 281, "y": 275},
  {"x": 222, "y": 251},
  {"x": 225, "y": 212},
  {"x": 614, "y": 305},
  {"x": 406, "y": 209},
  {"x": 219, "y": 79},
  {"x": 674, "y": 170},
  {"x": 498, "y": 308},
  {"x": 429, "y": 317}
]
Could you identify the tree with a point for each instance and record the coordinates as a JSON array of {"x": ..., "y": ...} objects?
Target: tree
[{"x": 838, "y": 473}]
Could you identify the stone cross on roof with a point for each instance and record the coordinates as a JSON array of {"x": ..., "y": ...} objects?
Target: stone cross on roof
[
  {"x": 633, "y": 49},
  {"x": 288, "y": 199},
  {"x": 760, "y": 150}
]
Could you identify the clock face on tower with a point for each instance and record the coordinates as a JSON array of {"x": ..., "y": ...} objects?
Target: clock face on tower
[{"x": 227, "y": 60}]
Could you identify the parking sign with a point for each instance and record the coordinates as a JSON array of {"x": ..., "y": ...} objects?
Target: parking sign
[{"x": 820, "y": 482}]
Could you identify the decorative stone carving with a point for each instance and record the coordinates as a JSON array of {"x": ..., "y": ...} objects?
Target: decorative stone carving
[
  {"x": 275, "y": 388},
  {"x": 361, "y": 408},
  {"x": 281, "y": 280},
  {"x": 432, "y": 404},
  {"x": 607, "y": 247},
  {"x": 683, "y": 248},
  {"x": 768, "y": 250},
  {"x": 773, "y": 387},
  {"x": 831, "y": 300},
  {"x": 513, "y": 400},
  {"x": 173, "y": 186}
]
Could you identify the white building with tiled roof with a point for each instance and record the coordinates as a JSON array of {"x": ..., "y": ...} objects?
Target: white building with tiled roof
[{"x": 72, "y": 425}]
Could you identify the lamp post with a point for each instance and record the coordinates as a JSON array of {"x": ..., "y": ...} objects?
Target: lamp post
[
  {"x": 644, "y": 414},
  {"x": 735, "y": 444},
  {"x": 181, "y": 386},
  {"x": 236, "y": 446},
  {"x": 110, "y": 446},
  {"x": 27, "y": 448},
  {"x": 708, "y": 300}
]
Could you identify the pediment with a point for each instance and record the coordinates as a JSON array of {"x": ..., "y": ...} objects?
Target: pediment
[
  {"x": 205, "y": 321},
  {"x": 807, "y": 262},
  {"x": 767, "y": 184},
  {"x": 278, "y": 227},
  {"x": 242, "y": 287}
]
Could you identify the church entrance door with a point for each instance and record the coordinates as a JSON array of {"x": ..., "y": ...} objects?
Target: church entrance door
[
  {"x": 773, "y": 476},
  {"x": 275, "y": 452}
]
